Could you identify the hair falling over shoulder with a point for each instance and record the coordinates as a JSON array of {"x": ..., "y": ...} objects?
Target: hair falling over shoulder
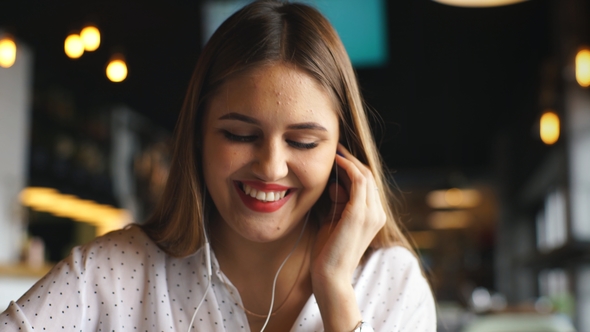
[{"x": 263, "y": 32}]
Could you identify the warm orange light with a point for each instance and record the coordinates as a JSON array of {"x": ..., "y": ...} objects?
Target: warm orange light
[
  {"x": 105, "y": 217},
  {"x": 117, "y": 70},
  {"x": 38, "y": 198},
  {"x": 73, "y": 46},
  {"x": 453, "y": 198},
  {"x": 424, "y": 239},
  {"x": 450, "y": 219},
  {"x": 7, "y": 52},
  {"x": 549, "y": 128},
  {"x": 90, "y": 38},
  {"x": 583, "y": 67},
  {"x": 478, "y": 3}
]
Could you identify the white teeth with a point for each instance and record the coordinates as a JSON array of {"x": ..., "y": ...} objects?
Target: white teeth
[
  {"x": 253, "y": 192},
  {"x": 263, "y": 196}
]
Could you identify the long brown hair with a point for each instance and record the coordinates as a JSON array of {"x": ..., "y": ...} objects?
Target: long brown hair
[{"x": 263, "y": 32}]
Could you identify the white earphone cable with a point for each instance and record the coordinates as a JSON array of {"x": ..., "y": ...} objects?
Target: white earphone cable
[
  {"x": 274, "y": 283},
  {"x": 207, "y": 252},
  {"x": 207, "y": 262},
  {"x": 209, "y": 268}
]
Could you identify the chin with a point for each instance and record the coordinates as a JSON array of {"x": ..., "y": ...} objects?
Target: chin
[{"x": 263, "y": 228}]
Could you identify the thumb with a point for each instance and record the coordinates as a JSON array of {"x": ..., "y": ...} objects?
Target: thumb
[
  {"x": 337, "y": 193},
  {"x": 339, "y": 198}
]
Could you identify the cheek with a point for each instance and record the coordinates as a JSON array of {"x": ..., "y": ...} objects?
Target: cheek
[
  {"x": 314, "y": 172},
  {"x": 222, "y": 158}
]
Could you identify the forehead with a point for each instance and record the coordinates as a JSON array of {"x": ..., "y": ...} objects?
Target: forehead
[{"x": 271, "y": 90}]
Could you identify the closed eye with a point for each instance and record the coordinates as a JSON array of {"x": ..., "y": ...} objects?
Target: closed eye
[
  {"x": 239, "y": 138},
  {"x": 251, "y": 138},
  {"x": 300, "y": 145}
]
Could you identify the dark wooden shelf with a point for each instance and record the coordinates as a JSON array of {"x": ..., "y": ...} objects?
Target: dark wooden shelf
[{"x": 570, "y": 254}]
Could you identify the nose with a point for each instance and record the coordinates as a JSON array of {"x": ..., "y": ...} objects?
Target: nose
[{"x": 270, "y": 163}]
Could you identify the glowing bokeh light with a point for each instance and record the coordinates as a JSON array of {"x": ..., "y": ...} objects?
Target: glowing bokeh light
[
  {"x": 7, "y": 52},
  {"x": 73, "y": 46},
  {"x": 450, "y": 219},
  {"x": 583, "y": 67},
  {"x": 117, "y": 70},
  {"x": 90, "y": 38},
  {"x": 549, "y": 128},
  {"x": 424, "y": 239},
  {"x": 453, "y": 198},
  {"x": 105, "y": 217}
]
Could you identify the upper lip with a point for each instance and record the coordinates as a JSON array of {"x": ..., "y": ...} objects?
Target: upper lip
[{"x": 265, "y": 186}]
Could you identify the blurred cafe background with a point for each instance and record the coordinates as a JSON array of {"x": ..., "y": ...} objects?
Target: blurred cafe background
[{"x": 482, "y": 116}]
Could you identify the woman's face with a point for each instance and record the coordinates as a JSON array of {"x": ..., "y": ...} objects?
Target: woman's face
[{"x": 269, "y": 141}]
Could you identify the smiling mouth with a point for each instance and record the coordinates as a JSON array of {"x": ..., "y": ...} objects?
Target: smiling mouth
[{"x": 263, "y": 196}]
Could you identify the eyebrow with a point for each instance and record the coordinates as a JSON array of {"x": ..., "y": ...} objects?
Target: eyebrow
[
  {"x": 239, "y": 117},
  {"x": 250, "y": 120}
]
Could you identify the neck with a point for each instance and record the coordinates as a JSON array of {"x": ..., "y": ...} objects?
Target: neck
[
  {"x": 249, "y": 259},
  {"x": 252, "y": 266}
]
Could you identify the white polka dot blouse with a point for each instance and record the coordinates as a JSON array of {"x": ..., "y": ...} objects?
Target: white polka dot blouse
[{"x": 123, "y": 282}]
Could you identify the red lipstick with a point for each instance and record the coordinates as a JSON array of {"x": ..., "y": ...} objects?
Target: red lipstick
[
  {"x": 265, "y": 187},
  {"x": 260, "y": 206}
]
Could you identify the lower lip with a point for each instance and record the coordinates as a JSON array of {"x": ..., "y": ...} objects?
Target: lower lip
[{"x": 260, "y": 206}]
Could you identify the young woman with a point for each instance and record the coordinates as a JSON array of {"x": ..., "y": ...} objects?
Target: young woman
[{"x": 276, "y": 215}]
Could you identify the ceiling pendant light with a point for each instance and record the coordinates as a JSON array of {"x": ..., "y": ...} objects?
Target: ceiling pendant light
[
  {"x": 549, "y": 127},
  {"x": 117, "y": 68},
  {"x": 73, "y": 46},
  {"x": 583, "y": 67},
  {"x": 7, "y": 52},
  {"x": 478, "y": 3},
  {"x": 90, "y": 38}
]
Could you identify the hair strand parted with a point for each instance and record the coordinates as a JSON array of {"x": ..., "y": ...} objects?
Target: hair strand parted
[{"x": 263, "y": 33}]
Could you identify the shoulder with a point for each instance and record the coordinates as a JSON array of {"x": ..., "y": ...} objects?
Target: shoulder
[
  {"x": 114, "y": 251},
  {"x": 128, "y": 242},
  {"x": 93, "y": 277},
  {"x": 394, "y": 255},
  {"x": 129, "y": 237},
  {"x": 396, "y": 261},
  {"x": 392, "y": 290}
]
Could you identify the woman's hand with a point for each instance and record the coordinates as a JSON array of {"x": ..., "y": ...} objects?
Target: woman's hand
[{"x": 340, "y": 245}]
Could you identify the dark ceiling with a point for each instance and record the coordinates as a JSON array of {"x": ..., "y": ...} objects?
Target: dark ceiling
[{"x": 456, "y": 78}]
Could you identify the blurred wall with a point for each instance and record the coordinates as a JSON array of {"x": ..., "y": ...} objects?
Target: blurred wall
[{"x": 15, "y": 98}]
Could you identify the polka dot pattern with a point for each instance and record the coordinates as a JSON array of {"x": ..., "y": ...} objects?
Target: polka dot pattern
[{"x": 123, "y": 282}]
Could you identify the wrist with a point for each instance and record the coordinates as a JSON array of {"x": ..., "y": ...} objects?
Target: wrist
[
  {"x": 337, "y": 304},
  {"x": 363, "y": 327}
]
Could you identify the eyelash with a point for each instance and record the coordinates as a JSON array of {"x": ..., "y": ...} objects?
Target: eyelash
[{"x": 248, "y": 139}]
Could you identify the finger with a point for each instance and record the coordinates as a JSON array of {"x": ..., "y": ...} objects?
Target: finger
[
  {"x": 339, "y": 199},
  {"x": 342, "y": 178},
  {"x": 374, "y": 206},
  {"x": 358, "y": 191},
  {"x": 334, "y": 214},
  {"x": 373, "y": 192},
  {"x": 337, "y": 193},
  {"x": 362, "y": 167}
]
